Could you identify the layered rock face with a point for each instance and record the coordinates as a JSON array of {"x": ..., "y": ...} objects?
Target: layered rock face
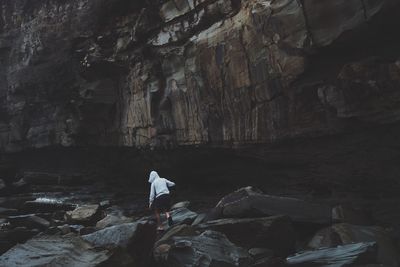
[{"x": 186, "y": 72}]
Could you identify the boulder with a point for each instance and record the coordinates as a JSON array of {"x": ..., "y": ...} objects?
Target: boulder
[
  {"x": 183, "y": 215},
  {"x": 44, "y": 251},
  {"x": 179, "y": 216},
  {"x": 341, "y": 256},
  {"x": 111, "y": 220},
  {"x": 87, "y": 230},
  {"x": 208, "y": 249},
  {"x": 130, "y": 242},
  {"x": 275, "y": 232},
  {"x": 249, "y": 202},
  {"x": 340, "y": 234},
  {"x": 179, "y": 230},
  {"x": 30, "y": 221},
  {"x": 123, "y": 235},
  {"x": 179, "y": 205},
  {"x": 85, "y": 215}
]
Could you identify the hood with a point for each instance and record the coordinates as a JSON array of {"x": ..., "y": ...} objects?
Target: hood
[{"x": 153, "y": 175}]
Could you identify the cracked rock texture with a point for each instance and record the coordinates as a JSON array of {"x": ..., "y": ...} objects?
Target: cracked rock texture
[{"x": 160, "y": 73}]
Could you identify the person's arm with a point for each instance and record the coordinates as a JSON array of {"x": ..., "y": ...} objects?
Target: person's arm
[
  {"x": 169, "y": 183},
  {"x": 151, "y": 198}
]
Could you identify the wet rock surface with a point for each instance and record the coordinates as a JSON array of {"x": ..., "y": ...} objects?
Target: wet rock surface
[
  {"x": 131, "y": 242},
  {"x": 122, "y": 235},
  {"x": 54, "y": 251},
  {"x": 208, "y": 249},
  {"x": 346, "y": 255},
  {"x": 11, "y": 237},
  {"x": 127, "y": 235},
  {"x": 340, "y": 234}
]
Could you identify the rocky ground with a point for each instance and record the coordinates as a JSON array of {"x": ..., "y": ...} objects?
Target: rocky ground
[{"x": 50, "y": 220}]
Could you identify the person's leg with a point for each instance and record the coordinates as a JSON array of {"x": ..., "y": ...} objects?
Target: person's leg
[
  {"x": 157, "y": 212},
  {"x": 167, "y": 208},
  {"x": 169, "y": 218}
]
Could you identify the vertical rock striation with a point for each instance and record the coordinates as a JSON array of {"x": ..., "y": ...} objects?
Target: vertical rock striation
[{"x": 186, "y": 72}]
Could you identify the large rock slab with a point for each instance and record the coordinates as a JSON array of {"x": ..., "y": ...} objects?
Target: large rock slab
[
  {"x": 178, "y": 230},
  {"x": 183, "y": 216},
  {"x": 10, "y": 237},
  {"x": 248, "y": 202},
  {"x": 131, "y": 242},
  {"x": 54, "y": 251},
  {"x": 208, "y": 249},
  {"x": 111, "y": 220},
  {"x": 123, "y": 235},
  {"x": 340, "y": 234},
  {"x": 183, "y": 204},
  {"x": 275, "y": 232},
  {"x": 341, "y": 256}
]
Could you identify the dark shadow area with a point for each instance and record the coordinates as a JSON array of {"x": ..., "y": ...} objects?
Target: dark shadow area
[{"x": 363, "y": 163}]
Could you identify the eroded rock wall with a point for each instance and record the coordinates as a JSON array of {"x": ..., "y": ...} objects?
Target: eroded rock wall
[{"x": 186, "y": 72}]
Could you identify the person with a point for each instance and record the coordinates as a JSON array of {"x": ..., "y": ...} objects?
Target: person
[{"x": 159, "y": 199}]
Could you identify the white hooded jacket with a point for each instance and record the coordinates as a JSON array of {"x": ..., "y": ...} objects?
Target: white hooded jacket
[{"x": 159, "y": 186}]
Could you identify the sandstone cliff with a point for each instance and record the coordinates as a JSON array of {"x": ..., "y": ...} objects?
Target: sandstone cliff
[{"x": 193, "y": 72}]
